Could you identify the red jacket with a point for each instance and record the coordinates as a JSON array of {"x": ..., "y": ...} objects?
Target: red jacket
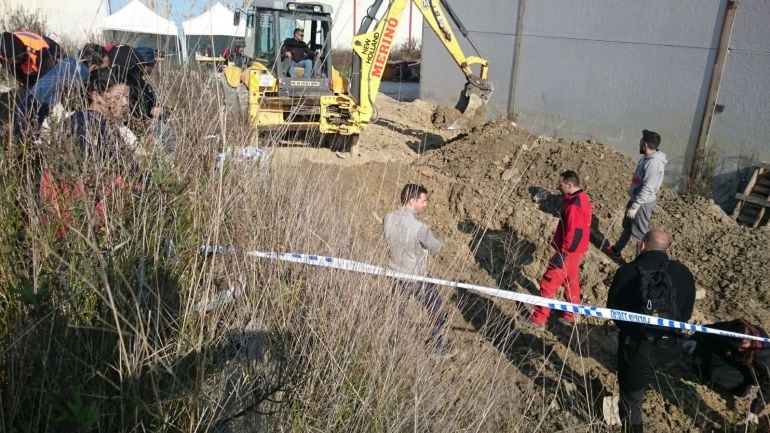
[{"x": 574, "y": 229}]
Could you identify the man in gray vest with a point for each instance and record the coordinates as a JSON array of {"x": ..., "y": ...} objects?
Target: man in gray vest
[
  {"x": 643, "y": 193},
  {"x": 409, "y": 243}
]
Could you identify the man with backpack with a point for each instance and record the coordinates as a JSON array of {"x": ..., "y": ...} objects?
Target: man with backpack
[{"x": 653, "y": 285}]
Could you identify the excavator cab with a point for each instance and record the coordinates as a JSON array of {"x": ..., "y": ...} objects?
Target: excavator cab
[
  {"x": 270, "y": 23},
  {"x": 336, "y": 107}
]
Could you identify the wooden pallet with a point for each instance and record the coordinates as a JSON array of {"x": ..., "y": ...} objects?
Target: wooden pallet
[{"x": 753, "y": 204}]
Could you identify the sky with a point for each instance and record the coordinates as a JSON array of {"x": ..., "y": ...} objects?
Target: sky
[{"x": 180, "y": 9}]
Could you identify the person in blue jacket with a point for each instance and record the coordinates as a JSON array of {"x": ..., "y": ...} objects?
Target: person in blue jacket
[{"x": 68, "y": 75}]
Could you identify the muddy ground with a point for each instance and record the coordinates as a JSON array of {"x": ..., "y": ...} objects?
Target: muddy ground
[{"x": 482, "y": 184}]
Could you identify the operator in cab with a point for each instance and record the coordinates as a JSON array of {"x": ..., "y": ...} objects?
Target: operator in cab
[{"x": 296, "y": 53}]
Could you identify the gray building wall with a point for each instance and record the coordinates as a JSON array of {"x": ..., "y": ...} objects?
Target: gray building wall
[
  {"x": 493, "y": 33},
  {"x": 740, "y": 135},
  {"x": 606, "y": 69}
]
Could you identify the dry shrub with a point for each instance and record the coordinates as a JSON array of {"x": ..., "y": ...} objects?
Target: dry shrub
[
  {"x": 106, "y": 328},
  {"x": 409, "y": 50},
  {"x": 102, "y": 330},
  {"x": 19, "y": 18}
]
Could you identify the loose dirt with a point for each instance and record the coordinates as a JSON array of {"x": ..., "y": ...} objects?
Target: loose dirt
[
  {"x": 495, "y": 204},
  {"x": 444, "y": 116}
]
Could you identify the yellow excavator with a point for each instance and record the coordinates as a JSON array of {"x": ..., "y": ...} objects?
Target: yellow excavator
[{"x": 327, "y": 102}]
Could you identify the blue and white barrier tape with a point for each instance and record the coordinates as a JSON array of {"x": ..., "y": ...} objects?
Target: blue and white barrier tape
[{"x": 586, "y": 310}]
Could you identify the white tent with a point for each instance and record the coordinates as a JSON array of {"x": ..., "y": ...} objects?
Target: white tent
[
  {"x": 138, "y": 25},
  {"x": 212, "y": 31},
  {"x": 217, "y": 21}
]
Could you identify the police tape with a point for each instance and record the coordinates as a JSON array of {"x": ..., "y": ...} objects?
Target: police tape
[{"x": 586, "y": 310}]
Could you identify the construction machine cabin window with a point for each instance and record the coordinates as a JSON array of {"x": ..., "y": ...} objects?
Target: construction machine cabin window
[
  {"x": 266, "y": 38},
  {"x": 316, "y": 33}
]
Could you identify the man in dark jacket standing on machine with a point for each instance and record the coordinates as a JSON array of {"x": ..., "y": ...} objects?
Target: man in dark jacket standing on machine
[
  {"x": 570, "y": 240},
  {"x": 653, "y": 285}
]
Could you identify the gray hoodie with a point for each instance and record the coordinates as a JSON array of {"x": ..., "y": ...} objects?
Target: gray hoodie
[
  {"x": 409, "y": 242},
  {"x": 647, "y": 179}
]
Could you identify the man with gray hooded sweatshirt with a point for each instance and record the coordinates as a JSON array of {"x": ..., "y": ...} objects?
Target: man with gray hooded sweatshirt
[{"x": 643, "y": 193}]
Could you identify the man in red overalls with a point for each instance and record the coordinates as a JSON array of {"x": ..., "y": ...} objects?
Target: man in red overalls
[{"x": 570, "y": 242}]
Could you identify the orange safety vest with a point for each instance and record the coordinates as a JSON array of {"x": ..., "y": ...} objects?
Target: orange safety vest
[{"x": 35, "y": 44}]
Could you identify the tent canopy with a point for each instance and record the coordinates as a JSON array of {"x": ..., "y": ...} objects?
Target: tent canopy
[
  {"x": 138, "y": 18},
  {"x": 217, "y": 21}
]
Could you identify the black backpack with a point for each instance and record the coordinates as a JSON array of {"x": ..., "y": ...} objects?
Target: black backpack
[{"x": 658, "y": 294}]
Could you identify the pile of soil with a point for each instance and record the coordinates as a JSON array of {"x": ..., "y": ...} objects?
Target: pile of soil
[
  {"x": 443, "y": 117},
  {"x": 494, "y": 182},
  {"x": 511, "y": 164},
  {"x": 495, "y": 204}
]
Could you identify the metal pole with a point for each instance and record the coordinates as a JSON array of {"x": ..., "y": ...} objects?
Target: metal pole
[
  {"x": 515, "y": 62},
  {"x": 409, "y": 38},
  {"x": 711, "y": 99}
]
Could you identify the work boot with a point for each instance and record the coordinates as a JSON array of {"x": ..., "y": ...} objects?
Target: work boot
[{"x": 530, "y": 324}]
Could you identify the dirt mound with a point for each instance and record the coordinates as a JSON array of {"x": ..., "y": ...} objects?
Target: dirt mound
[
  {"x": 444, "y": 116},
  {"x": 495, "y": 180},
  {"x": 495, "y": 204},
  {"x": 496, "y": 172}
]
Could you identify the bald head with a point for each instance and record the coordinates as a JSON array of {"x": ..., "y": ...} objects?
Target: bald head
[{"x": 655, "y": 240}]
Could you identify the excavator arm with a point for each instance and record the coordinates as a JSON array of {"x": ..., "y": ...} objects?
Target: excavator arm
[{"x": 373, "y": 46}]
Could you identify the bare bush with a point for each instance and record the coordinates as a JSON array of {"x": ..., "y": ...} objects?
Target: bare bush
[{"x": 19, "y": 18}]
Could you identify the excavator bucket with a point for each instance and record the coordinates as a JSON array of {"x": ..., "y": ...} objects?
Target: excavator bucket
[
  {"x": 472, "y": 105},
  {"x": 233, "y": 76}
]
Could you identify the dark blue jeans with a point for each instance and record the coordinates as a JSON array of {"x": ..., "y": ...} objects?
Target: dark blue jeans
[{"x": 430, "y": 298}]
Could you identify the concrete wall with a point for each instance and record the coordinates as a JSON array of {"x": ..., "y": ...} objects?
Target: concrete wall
[
  {"x": 606, "y": 69},
  {"x": 740, "y": 135},
  {"x": 492, "y": 28}
]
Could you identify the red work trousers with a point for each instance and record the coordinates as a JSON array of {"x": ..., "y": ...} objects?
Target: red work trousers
[
  {"x": 59, "y": 197},
  {"x": 563, "y": 270}
]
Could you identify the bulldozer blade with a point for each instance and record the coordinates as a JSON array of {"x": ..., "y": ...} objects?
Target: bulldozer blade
[{"x": 474, "y": 106}]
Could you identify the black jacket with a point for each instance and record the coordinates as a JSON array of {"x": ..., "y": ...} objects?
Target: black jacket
[
  {"x": 624, "y": 292},
  {"x": 127, "y": 65},
  {"x": 299, "y": 50},
  {"x": 142, "y": 95}
]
